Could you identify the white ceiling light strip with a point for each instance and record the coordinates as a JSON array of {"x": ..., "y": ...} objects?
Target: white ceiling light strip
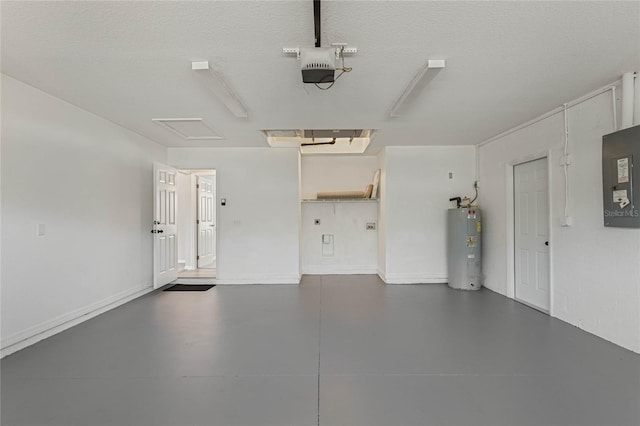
[
  {"x": 219, "y": 87},
  {"x": 424, "y": 76}
]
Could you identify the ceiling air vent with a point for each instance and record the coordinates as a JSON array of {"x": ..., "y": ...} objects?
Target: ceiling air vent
[{"x": 189, "y": 128}]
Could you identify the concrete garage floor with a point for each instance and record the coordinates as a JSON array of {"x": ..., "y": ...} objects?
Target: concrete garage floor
[{"x": 337, "y": 350}]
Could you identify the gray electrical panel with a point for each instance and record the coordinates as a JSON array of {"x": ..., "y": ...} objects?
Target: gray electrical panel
[
  {"x": 620, "y": 179},
  {"x": 464, "y": 248}
]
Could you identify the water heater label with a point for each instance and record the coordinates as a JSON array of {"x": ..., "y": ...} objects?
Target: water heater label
[
  {"x": 472, "y": 241},
  {"x": 623, "y": 170}
]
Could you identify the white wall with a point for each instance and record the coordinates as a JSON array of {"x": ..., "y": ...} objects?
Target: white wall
[
  {"x": 89, "y": 182},
  {"x": 417, "y": 189},
  {"x": 258, "y": 229},
  {"x": 355, "y": 249},
  {"x": 329, "y": 173},
  {"x": 595, "y": 271}
]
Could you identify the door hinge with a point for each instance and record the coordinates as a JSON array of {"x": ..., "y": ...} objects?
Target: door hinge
[
  {"x": 197, "y": 257},
  {"x": 197, "y": 186},
  {"x": 197, "y": 221}
]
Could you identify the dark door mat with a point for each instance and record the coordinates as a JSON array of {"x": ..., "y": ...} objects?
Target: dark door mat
[{"x": 190, "y": 287}]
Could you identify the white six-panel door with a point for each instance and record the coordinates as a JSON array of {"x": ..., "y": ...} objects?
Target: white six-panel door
[
  {"x": 531, "y": 195},
  {"x": 206, "y": 221},
  {"x": 165, "y": 245}
]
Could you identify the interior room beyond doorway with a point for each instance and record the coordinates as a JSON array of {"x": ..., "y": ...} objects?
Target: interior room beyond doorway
[{"x": 197, "y": 230}]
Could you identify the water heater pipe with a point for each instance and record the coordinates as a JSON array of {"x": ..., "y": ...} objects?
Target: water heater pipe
[{"x": 627, "y": 100}]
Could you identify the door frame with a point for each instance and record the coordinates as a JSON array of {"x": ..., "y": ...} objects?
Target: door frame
[
  {"x": 511, "y": 225},
  {"x": 197, "y": 210},
  {"x": 193, "y": 210}
]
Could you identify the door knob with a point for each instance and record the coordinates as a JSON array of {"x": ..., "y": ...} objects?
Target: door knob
[
  {"x": 160, "y": 231},
  {"x": 546, "y": 243}
]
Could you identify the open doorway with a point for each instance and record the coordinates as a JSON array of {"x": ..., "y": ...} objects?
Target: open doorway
[{"x": 197, "y": 227}]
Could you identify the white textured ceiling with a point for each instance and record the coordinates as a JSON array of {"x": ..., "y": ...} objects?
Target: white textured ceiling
[{"x": 506, "y": 62}]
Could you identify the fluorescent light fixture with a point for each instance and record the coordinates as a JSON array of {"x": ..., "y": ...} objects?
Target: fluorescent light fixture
[
  {"x": 220, "y": 88},
  {"x": 188, "y": 128},
  {"x": 424, "y": 76}
]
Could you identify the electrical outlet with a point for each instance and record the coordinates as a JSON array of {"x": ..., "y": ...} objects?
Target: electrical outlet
[
  {"x": 371, "y": 226},
  {"x": 316, "y": 221}
]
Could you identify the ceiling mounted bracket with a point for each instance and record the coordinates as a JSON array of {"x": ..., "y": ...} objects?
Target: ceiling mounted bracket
[
  {"x": 316, "y": 22},
  {"x": 346, "y": 51}
]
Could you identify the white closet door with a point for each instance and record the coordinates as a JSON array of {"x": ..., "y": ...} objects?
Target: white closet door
[{"x": 531, "y": 195}]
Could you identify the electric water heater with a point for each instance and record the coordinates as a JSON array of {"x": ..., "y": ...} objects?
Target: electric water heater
[{"x": 464, "y": 248}]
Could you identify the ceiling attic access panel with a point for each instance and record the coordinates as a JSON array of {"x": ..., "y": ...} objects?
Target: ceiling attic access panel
[{"x": 321, "y": 141}]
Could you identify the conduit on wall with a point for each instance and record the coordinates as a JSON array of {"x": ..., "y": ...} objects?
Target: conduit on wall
[
  {"x": 614, "y": 108},
  {"x": 565, "y": 165},
  {"x": 636, "y": 104},
  {"x": 627, "y": 100}
]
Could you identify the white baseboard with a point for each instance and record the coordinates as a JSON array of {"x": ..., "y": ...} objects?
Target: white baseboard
[
  {"x": 56, "y": 325},
  {"x": 193, "y": 281},
  {"x": 414, "y": 279},
  {"x": 500, "y": 291},
  {"x": 339, "y": 270},
  {"x": 259, "y": 279}
]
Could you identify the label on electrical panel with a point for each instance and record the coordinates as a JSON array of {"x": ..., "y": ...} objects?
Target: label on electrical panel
[
  {"x": 620, "y": 195},
  {"x": 623, "y": 170},
  {"x": 479, "y": 226}
]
